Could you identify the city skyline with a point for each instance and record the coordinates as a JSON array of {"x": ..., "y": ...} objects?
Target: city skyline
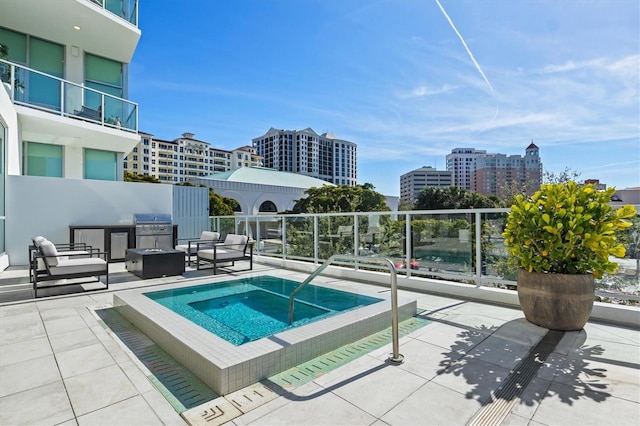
[{"x": 407, "y": 81}]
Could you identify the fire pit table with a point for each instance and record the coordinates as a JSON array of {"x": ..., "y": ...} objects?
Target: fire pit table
[{"x": 154, "y": 262}]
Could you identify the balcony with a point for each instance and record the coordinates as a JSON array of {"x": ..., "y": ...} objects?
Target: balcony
[
  {"x": 434, "y": 245},
  {"x": 34, "y": 89},
  {"x": 127, "y": 9}
]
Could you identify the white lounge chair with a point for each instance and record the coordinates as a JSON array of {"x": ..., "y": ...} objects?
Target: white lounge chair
[
  {"x": 72, "y": 249},
  {"x": 69, "y": 266},
  {"x": 233, "y": 248},
  {"x": 191, "y": 247}
]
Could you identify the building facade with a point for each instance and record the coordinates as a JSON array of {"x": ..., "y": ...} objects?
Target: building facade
[
  {"x": 500, "y": 174},
  {"x": 185, "y": 158},
  {"x": 461, "y": 164},
  {"x": 413, "y": 182},
  {"x": 67, "y": 85},
  {"x": 308, "y": 153}
]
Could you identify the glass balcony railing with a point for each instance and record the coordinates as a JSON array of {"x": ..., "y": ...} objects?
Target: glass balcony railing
[
  {"x": 45, "y": 92},
  {"x": 439, "y": 244},
  {"x": 125, "y": 9}
]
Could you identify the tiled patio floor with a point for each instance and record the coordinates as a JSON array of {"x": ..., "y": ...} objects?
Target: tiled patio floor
[{"x": 58, "y": 365}]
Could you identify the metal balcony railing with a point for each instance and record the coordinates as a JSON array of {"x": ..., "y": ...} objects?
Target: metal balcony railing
[
  {"x": 45, "y": 92},
  {"x": 440, "y": 244},
  {"x": 125, "y": 9}
]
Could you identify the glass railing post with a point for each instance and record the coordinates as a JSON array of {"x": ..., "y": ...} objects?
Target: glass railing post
[
  {"x": 408, "y": 250},
  {"x": 316, "y": 239},
  {"x": 478, "y": 231},
  {"x": 284, "y": 239}
]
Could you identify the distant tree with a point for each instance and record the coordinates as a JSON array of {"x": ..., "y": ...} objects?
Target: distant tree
[
  {"x": 218, "y": 204},
  {"x": 404, "y": 206},
  {"x": 342, "y": 198},
  {"x": 453, "y": 197},
  {"x": 130, "y": 177},
  {"x": 221, "y": 206},
  {"x": 564, "y": 176}
]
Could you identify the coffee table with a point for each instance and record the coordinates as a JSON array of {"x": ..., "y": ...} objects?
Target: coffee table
[{"x": 154, "y": 263}]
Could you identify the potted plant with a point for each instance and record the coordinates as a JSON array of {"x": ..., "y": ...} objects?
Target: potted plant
[{"x": 561, "y": 238}]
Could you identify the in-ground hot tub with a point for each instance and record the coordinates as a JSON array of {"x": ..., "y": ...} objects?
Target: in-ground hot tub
[{"x": 325, "y": 319}]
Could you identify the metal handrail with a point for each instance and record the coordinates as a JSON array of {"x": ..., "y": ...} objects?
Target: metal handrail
[{"x": 394, "y": 357}]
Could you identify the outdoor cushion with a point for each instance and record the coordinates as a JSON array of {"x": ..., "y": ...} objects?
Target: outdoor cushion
[
  {"x": 235, "y": 242},
  {"x": 76, "y": 266},
  {"x": 221, "y": 254},
  {"x": 37, "y": 241},
  {"x": 205, "y": 236},
  {"x": 49, "y": 250}
]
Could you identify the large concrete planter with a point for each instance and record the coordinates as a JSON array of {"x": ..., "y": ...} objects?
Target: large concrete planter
[{"x": 556, "y": 301}]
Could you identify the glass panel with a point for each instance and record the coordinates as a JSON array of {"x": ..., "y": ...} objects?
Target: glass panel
[
  {"x": 101, "y": 165},
  {"x": 103, "y": 71},
  {"x": 17, "y": 45},
  {"x": 494, "y": 252},
  {"x": 299, "y": 237},
  {"x": 116, "y": 7},
  {"x": 48, "y": 58},
  {"x": 44, "y": 159},
  {"x": 442, "y": 243}
]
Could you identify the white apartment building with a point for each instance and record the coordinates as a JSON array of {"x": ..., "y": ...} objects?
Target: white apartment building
[
  {"x": 461, "y": 163},
  {"x": 413, "y": 182},
  {"x": 185, "y": 158},
  {"x": 308, "y": 153},
  {"x": 66, "y": 122}
]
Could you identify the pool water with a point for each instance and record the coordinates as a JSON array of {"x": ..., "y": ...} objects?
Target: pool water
[{"x": 251, "y": 308}]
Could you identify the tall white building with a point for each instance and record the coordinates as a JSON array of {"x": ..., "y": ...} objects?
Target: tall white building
[
  {"x": 308, "y": 153},
  {"x": 185, "y": 158},
  {"x": 461, "y": 163},
  {"x": 66, "y": 77},
  {"x": 413, "y": 182}
]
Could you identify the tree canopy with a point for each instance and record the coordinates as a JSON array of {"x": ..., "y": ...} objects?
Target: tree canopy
[
  {"x": 130, "y": 177},
  {"x": 453, "y": 197},
  {"x": 341, "y": 198}
]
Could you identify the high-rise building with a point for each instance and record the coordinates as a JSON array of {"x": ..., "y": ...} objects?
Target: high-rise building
[
  {"x": 413, "y": 182},
  {"x": 68, "y": 113},
  {"x": 306, "y": 152},
  {"x": 500, "y": 174},
  {"x": 461, "y": 163},
  {"x": 185, "y": 158}
]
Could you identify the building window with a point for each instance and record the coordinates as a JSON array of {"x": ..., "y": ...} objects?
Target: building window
[
  {"x": 43, "y": 159},
  {"x": 101, "y": 165},
  {"x": 268, "y": 207}
]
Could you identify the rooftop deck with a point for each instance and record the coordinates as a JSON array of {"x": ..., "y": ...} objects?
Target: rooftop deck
[{"x": 59, "y": 364}]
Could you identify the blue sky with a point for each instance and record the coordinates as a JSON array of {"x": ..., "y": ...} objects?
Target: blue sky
[{"x": 407, "y": 80}]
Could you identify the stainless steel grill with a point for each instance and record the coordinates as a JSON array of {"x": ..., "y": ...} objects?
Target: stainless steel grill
[{"x": 153, "y": 230}]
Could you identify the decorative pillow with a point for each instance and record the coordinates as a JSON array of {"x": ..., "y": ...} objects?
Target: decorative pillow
[{"x": 48, "y": 249}]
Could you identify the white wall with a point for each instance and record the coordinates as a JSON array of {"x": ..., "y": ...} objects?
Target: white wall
[
  {"x": 9, "y": 117},
  {"x": 47, "y": 206}
]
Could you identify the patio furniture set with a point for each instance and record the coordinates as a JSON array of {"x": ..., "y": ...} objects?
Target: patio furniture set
[{"x": 61, "y": 264}]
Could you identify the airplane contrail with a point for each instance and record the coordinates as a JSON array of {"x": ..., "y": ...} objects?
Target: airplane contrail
[{"x": 444, "y": 12}]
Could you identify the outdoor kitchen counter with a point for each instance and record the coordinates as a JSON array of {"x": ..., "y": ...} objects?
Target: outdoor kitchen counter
[{"x": 109, "y": 237}]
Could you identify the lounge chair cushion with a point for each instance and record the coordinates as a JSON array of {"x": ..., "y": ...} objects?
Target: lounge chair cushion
[
  {"x": 205, "y": 236},
  {"x": 76, "y": 266},
  {"x": 49, "y": 250},
  {"x": 221, "y": 254},
  {"x": 235, "y": 242},
  {"x": 233, "y": 248}
]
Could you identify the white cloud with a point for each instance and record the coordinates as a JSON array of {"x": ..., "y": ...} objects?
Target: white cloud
[{"x": 424, "y": 90}]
